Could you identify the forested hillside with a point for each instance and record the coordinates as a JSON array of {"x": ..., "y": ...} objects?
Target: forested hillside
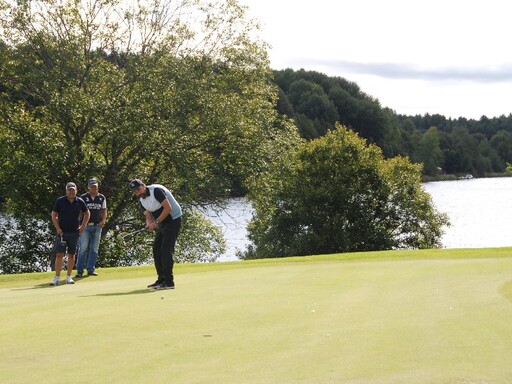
[{"x": 452, "y": 146}]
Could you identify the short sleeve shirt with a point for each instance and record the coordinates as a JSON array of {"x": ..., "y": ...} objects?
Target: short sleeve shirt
[
  {"x": 69, "y": 213},
  {"x": 96, "y": 205}
]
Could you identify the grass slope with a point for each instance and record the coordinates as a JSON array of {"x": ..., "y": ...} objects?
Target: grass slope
[{"x": 441, "y": 316}]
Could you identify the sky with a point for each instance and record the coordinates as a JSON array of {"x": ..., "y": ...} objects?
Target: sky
[{"x": 447, "y": 57}]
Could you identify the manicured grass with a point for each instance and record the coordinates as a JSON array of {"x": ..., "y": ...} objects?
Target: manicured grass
[{"x": 441, "y": 316}]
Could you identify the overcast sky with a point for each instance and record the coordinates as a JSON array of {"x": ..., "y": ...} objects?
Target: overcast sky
[{"x": 452, "y": 57}]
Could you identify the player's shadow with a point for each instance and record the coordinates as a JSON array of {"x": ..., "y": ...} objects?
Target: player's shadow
[
  {"x": 38, "y": 286},
  {"x": 136, "y": 292},
  {"x": 48, "y": 286}
]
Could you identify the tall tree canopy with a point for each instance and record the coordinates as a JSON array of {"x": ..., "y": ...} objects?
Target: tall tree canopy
[
  {"x": 172, "y": 91},
  {"x": 316, "y": 101},
  {"x": 338, "y": 194}
]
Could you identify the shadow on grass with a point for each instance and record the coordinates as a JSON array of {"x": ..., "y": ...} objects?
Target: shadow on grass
[
  {"x": 47, "y": 285},
  {"x": 136, "y": 292},
  {"x": 38, "y": 286},
  {"x": 506, "y": 290}
]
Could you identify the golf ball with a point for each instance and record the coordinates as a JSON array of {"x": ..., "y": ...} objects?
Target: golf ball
[{"x": 162, "y": 297}]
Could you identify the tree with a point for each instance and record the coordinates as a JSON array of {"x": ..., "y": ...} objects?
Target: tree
[
  {"x": 501, "y": 143},
  {"x": 172, "y": 91},
  {"x": 325, "y": 100},
  {"x": 429, "y": 152},
  {"x": 338, "y": 194},
  {"x": 463, "y": 153},
  {"x": 309, "y": 99}
]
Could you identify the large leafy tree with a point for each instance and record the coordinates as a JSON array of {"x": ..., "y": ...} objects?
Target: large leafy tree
[
  {"x": 318, "y": 101},
  {"x": 338, "y": 194},
  {"x": 177, "y": 92},
  {"x": 310, "y": 100}
]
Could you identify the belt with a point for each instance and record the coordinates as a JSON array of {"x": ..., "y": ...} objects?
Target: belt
[{"x": 92, "y": 223}]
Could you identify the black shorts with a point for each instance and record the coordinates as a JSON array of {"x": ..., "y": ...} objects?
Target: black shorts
[{"x": 67, "y": 242}]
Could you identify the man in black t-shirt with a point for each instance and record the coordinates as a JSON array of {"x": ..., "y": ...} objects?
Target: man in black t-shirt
[{"x": 65, "y": 217}]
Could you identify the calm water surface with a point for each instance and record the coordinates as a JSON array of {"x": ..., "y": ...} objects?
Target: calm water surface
[{"x": 480, "y": 211}]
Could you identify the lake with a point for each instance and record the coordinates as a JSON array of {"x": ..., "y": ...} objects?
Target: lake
[{"x": 480, "y": 211}]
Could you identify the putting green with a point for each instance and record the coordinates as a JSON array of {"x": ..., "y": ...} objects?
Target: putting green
[{"x": 327, "y": 319}]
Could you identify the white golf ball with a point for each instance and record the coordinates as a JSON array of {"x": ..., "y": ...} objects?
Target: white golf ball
[{"x": 162, "y": 297}]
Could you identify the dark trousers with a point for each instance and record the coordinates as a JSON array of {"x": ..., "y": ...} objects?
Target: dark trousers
[{"x": 163, "y": 249}]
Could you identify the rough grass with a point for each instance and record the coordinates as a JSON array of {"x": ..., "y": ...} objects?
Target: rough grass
[{"x": 441, "y": 316}]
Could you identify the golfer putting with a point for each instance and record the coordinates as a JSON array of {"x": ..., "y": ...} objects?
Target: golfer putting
[{"x": 163, "y": 214}]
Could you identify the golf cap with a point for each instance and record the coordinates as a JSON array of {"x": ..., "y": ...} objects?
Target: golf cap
[
  {"x": 71, "y": 185},
  {"x": 92, "y": 182},
  {"x": 134, "y": 184}
]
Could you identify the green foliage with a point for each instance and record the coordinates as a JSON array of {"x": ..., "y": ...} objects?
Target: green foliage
[
  {"x": 309, "y": 99},
  {"x": 501, "y": 142},
  {"x": 200, "y": 240},
  {"x": 508, "y": 169},
  {"x": 315, "y": 101},
  {"x": 25, "y": 245},
  {"x": 429, "y": 152},
  {"x": 338, "y": 194},
  {"x": 479, "y": 147},
  {"x": 174, "y": 92},
  {"x": 318, "y": 101}
]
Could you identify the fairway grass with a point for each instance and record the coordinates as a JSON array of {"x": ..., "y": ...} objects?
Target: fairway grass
[{"x": 440, "y": 316}]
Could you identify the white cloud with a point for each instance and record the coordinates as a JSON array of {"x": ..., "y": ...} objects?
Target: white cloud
[
  {"x": 442, "y": 56},
  {"x": 500, "y": 73}
]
